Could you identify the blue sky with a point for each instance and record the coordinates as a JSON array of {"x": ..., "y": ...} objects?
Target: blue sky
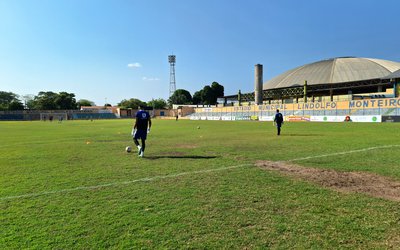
[{"x": 118, "y": 49}]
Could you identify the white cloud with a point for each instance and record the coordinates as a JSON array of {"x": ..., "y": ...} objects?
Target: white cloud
[
  {"x": 144, "y": 78},
  {"x": 134, "y": 65}
]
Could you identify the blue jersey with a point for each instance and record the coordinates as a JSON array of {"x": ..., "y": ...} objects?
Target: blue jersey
[
  {"x": 142, "y": 120},
  {"x": 278, "y": 118}
]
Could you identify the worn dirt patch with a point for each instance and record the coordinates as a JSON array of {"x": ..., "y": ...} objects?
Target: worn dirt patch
[{"x": 356, "y": 182}]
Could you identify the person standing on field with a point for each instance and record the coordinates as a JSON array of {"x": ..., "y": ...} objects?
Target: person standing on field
[
  {"x": 278, "y": 120},
  {"x": 141, "y": 129}
]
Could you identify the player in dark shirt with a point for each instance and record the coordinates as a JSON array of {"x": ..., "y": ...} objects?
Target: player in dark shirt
[
  {"x": 278, "y": 120},
  {"x": 140, "y": 129}
]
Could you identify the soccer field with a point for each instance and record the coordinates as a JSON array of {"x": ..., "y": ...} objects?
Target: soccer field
[{"x": 222, "y": 185}]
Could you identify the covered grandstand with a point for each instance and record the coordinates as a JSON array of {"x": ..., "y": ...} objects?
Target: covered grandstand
[
  {"x": 326, "y": 79},
  {"x": 326, "y": 90}
]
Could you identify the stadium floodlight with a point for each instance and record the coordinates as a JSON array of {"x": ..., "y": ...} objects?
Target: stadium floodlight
[{"x": 171, "y": 59}]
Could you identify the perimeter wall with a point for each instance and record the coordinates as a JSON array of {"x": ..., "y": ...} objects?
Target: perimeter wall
[{"x": 361, "y": 110}]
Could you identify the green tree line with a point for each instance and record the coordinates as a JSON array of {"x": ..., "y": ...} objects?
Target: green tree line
[
  {"x": 206, "y": 96},
  {"x": 48, "y": 100}
]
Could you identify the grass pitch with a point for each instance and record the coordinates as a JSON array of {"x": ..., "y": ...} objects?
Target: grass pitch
[{"x": 72, "y": 185}]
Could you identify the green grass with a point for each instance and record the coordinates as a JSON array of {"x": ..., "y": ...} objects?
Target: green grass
[{"x": 242, "y": 207}]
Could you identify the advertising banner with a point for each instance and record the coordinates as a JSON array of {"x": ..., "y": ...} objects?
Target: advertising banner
[
  {"x": 266, "y": 118},
  {"x": 365, "y": 118},
  {"x": 226, "y": 118},
  {"x": 354, "y": 104},
  {"x": 254, "y": 118},
  {"x": 297, "y": 118},
  {"x": 327, "y": 118},
  {"x": 391, "y": 118},
  {"x": 213, "y": 118},
  {"x": 243, "y": 118}
]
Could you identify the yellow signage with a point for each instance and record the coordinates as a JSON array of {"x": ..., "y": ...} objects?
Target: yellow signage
[{"x": 355, "y": 104}]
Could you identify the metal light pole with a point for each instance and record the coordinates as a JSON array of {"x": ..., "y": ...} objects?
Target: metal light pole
[{"x": 172, "y": 84}]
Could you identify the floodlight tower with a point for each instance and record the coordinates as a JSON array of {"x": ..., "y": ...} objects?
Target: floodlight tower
[{"x": 172, "y": 84}]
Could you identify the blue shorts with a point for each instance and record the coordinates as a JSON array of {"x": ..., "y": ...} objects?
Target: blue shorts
[{"x": 140, "y": 134}]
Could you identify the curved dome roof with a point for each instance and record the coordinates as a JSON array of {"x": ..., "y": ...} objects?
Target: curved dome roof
[
  {"x": 395, "y": 74},
  {"x": 334, "y": 70}
]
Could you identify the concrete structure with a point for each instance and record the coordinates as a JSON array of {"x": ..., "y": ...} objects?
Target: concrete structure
[{"x": 258, "y": 84}]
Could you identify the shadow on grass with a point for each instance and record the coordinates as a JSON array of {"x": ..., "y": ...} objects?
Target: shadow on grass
[{"x": 155, "y": 157}]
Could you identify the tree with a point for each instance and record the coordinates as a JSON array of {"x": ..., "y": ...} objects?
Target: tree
[
  {"x": 7, "y": 97},
  {"x": 16, "y": 105},
  {"x": 132, "y": 103},
  {"x": 30, "y": 104},
  {"x": 45, "y": 101},
  {"x": 197, "y": 97},
  {"x": 157, "y": 103},
  {"x": 28, "y": 100},
  {"x": 53, "y": 101},
  {"x": 10, "y": 101},
  {"x": 217, "y": 89},
  {"x": 84, "y": 102},
  {"x": 208, "y": 96},
  {"x": 211, "y": 93},
  {"x": 180, "y": 96},
  {"x": 65, "y": 100}
]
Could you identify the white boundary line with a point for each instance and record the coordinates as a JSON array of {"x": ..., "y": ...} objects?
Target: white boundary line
[
  {"x": 159, "y": 177},
  {"x": 120, "y": 183},
  {"x": 343, "y": 153}
]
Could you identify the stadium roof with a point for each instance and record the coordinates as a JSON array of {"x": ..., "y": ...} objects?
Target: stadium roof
[
  {"x": 394, "y": 75},
  {"x": 334, "y": 70}
]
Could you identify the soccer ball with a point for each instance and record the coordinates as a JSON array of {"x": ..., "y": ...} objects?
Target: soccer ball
[
  {"x": 128, "y": 149},
  {"x": 198, "y": 127}
]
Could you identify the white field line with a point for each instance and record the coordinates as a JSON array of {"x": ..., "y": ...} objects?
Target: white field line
[
  {"x": 342, "y": 153},
  {"x": 120, "y": 183},
  {"x": 58, "y": 141},
  {"x": 178, "y": 174}
]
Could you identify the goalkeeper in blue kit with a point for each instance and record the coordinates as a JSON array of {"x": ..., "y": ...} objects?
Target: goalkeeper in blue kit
[
  {"x": 141, "y": 129},
  {"x": 278, "y": 120}
]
